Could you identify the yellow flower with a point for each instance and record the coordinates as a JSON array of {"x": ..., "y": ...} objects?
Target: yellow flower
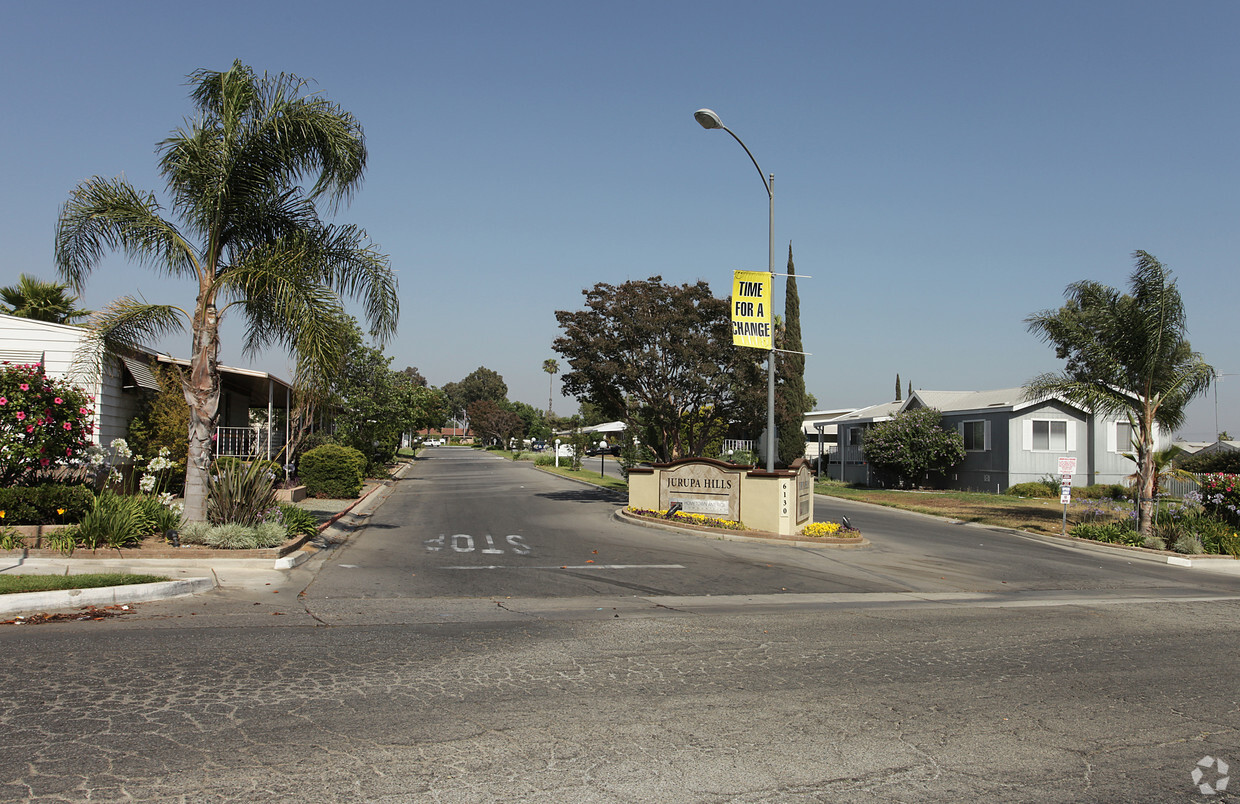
[{"x": 60, "y": 510}]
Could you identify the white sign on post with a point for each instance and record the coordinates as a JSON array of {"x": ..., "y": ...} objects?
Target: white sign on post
[{"x": 1067, "y": 466}]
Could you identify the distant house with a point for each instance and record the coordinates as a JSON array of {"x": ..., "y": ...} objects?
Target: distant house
[
  {"x": 1008, "y": 439},
  {"x": 120, "y": 383},
  {"x": 821, "y": 431}
]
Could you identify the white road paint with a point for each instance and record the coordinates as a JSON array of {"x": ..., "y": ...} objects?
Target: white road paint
[{"x": 575, "y": 567}]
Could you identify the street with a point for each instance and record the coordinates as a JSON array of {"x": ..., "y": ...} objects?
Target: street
[{"x": 491, "y": 633}]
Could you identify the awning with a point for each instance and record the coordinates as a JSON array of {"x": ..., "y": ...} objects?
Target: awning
[{"x": 138, "y": 375}]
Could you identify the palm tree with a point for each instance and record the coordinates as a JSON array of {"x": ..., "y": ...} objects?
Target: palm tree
[
  {"x": 42, "y": 301},
  {"x": 1126, "y": 355},
  {"x": 552, "y": 368},
  {"x": 250, "y": 238}
]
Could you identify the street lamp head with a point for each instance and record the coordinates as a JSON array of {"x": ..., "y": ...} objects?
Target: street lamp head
[{"x": 707, "y": 119}]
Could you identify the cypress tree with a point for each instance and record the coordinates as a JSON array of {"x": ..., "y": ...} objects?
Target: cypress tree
[
  {"x": 897, "y": 386},
  {"x": 791, "y": 407}
]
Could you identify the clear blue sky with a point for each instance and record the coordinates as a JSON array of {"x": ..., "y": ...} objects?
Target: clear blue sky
[{"x": 942, "y": 170}]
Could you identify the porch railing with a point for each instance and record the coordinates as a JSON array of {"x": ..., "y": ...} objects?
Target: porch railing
[{"x": 246, "y": 442}]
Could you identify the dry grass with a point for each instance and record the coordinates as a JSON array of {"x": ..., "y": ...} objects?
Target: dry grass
[{"x": 1035, "y": 515}]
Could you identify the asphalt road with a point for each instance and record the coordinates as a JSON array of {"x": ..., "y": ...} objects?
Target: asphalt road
[{"x": 943, "y": 664}]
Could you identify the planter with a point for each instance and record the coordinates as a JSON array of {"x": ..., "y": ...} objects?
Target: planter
[{"x": 295, "y": 494}]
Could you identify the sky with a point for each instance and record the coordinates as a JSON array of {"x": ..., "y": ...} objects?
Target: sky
[{"x": 942, "y": 170}]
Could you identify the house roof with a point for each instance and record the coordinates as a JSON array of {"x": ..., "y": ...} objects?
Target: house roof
[
  {"x": 254, "y": 384},
  {"x": 1011, "y": 399},
  {"x": 873, "y": 413}
]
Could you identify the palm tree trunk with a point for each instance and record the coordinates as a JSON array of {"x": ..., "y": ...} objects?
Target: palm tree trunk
[
  {"x": 1145, "y": 480},
  {"x": 202, "y": 392}
]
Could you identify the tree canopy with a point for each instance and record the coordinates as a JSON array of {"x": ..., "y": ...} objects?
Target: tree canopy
[
  {"x": 660, "y": 358},
  {"x": 37, "y": 299},
  {"x": 249, "y": 238},
  {"x": 911, "y": 444},
  {"x": 1126, "y": 354}
]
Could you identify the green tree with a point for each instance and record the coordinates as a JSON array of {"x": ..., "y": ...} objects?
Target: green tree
[
  {"x": 493, "y": 423},
  {"x": 250, "y": 238},
  {"x": 162, "y": 419},
  {"x": 481, "y": 383},
  {"x": 912, "y": 444},
  {"x": 897, "y": 386},
  {"x": 42, "y": 301},
  {"x": 1127, "y": 355},
  {"x": 791, "y": 404},
  {"x": 660, "y": 358}
]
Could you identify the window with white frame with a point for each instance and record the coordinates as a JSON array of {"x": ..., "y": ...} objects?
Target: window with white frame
[
  {"x": 1124, "y": 433},
  {"x": 976, "y": 435},
  {"x": 1050, "y": 436}
]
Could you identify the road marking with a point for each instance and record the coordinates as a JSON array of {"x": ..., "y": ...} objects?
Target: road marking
[{"x": 574, "y": 567}]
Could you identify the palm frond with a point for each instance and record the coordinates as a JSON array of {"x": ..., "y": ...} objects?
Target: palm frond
[
  {"x": 111, "y": 213},
  {"x": 121, "y": 328}
]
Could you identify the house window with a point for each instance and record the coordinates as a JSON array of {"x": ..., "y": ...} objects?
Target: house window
[
  {"x": 855, "y": 435},
  {"x": 974, "y": 434},
  {"x": 1050, "y": 436},
  {"x": 1124, "y": 434}
]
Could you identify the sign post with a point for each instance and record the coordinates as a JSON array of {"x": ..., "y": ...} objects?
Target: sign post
[{"x": 1067, "y": 468}]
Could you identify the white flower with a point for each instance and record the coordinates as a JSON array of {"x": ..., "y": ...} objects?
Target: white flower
[
  {"x": 147, "y": 484},
  {"x": 121, "y": 447}
]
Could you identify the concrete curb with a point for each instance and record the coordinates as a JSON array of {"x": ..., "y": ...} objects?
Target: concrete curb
[
  {"x": 1221, "y": 564},
  {"x": 37, "y": 602}
]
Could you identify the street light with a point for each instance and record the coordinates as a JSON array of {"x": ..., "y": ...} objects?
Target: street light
[{"x": 709, "y": 120}]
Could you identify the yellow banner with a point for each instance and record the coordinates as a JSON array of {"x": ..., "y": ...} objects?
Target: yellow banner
[{"x": 751, "y": 309}]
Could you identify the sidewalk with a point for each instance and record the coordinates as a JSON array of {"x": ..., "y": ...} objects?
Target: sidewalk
[{"x": 189, "y": 574}]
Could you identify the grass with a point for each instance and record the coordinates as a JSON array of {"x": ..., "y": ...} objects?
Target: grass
[
  {"x": 1034, "y": 515},
  {"x": 614, "y": 482},
  {"x": 11, "y": 584}
]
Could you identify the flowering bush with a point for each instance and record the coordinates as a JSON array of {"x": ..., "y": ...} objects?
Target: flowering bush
[
  {"x": 827, "y": 529},
  {"x": 690, "y": 519},
  {"x": 45, "y": 422},
  {"x": 1220, "y": 495}
]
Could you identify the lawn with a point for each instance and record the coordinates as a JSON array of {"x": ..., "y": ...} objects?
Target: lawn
[
  {"x": 10, "y": 584},
  {"x": 1035, "y": 515}
]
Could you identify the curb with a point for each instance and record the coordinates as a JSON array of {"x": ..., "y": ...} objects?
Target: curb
[
  {"x": 740, "y": 536},
  {"x": 1220, "y": 564},
  {"x": 37, "y": 602}
]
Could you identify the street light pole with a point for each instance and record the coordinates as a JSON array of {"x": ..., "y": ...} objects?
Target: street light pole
[{"x": 709, "y": 120}]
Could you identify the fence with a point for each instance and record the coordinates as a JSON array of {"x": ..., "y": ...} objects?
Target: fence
[{"x": 246, "y": 442}]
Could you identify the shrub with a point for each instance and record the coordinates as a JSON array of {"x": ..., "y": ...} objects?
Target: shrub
[
  {"x": 270, "y": 534},
  {"x": 239, "y": 493},
  {"x": 45, "y": 504},
  {"x": 1036, "y": 489},
  {"x": 45, "y": 422},
  {"x": 1226, "y": 462},
  {"x": 1220, "y": 496},
  {"x": 545, "y": 460},
  {"x": 194, "y": 532},
  {"x": 298, "y": 521},
  {"x": 1102, "y": 491},
  {"x": 231, "y": 536},
  {"x": 114, "y": 521},
  {"x": 1110, "y": 532},
  {"x": 1190, "y": 545},
  {"x": 332, "y": 471}
]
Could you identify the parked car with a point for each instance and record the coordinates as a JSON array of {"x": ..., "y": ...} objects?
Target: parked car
[{"x": 603, "y": 448}]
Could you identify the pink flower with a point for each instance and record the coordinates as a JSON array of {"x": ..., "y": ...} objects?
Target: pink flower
[
  {"x": 24, "y": 387},
  {"x": 44, "y": 462},
  {"x": 21, "y": 415},
  {"x": 83, "y": 411},
  {"x": 3, "y": 401},
  {"x": 30, "y": 428},
  {"x": 68, "y": 425},
  {"x": 58, "y": 401}
]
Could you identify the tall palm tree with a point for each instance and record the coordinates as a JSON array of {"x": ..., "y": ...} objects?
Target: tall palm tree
[
  {"x": 552, "y": 368},
  {"x": 1126, "y": 355},
  {"x": 42, "y": 301},
  {"x": 249, "y": 238}
]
